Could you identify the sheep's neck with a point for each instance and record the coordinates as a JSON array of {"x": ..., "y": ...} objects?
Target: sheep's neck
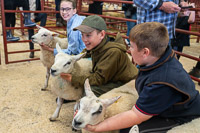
[{"x": 76, "y": 68}]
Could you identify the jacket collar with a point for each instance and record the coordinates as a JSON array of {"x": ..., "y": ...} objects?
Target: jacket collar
[
  {"x": 69, "y": 23},
  {"x": 99, "y": 47},
  {"x": 168, "y": 55}
]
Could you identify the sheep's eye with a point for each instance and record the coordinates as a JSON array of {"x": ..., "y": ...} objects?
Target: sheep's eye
[
  {"x": 44, "y": 35},
  {"x": 98, "y": 111},
  {"x": 68, "y": 63}
]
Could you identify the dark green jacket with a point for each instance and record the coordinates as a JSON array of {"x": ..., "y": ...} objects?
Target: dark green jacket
[{"x": 110, "y": 64}]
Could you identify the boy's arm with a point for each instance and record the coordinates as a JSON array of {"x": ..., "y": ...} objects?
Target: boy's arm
[{"x": 120, "y": 121}]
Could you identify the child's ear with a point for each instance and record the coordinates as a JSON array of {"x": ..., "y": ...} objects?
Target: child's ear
[
  {"x": 146, "y": 52},
  {"x": 103, "y": 33}
]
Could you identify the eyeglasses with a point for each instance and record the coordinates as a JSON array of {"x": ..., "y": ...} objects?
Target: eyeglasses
[{"x": 65, "y": 9}]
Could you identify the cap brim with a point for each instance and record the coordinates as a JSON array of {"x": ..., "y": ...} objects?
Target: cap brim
[{"x": 84, "y": 28}]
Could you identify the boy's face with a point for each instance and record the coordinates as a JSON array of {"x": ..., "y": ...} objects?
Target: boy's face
[
  {"x": 92, "y": 39},
  {"x": 66, "y": 10},
  {"x": 136, "y": 55}
]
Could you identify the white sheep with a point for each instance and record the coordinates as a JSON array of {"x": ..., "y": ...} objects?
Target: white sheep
[
  {"x": 190, "y": 127},
  {"x": 50, "y": 39},
  {"x": 92, "y": 110},
  {"x": 65, "y": 63},
  {"x": 90, "y": 105}
]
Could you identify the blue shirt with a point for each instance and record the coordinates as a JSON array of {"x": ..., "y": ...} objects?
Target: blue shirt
[
  {"x": 75, "y": 43},
  {"x": 147, "y": 11}
]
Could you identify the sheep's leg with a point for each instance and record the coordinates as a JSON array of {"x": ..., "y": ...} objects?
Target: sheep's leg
[
  {"x": 47, "y": 80},
  {"x": 56, "y": 113}
]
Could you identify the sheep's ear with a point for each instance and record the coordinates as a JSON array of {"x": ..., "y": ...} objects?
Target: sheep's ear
[
  {"x": 79, "y": 56},
  {"x": 55, "y": 34},
  {"x": 58, "y": 48},
  {"x": 108, "y": 102},
  {"x": 77, "y": 106},
  {"x": 87, "y": 87},
  {"x": 39, "y": 27}
]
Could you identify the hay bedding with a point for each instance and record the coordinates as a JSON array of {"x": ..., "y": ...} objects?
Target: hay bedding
[{"x": 24, "y": 108}]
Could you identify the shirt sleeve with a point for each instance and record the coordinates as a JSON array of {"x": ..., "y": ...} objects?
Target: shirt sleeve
[
  {"x": 55, "y": 52},
  {"x": 147, "y": 4},
  {"x": 156, "y": 98},
  {"x": 73, "y": 43}
]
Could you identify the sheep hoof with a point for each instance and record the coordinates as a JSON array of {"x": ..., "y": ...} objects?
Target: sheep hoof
[
  {"x": 52, "y": 119},
  {"x": 43, "y": 89},
  {"x": 73, "y": 129}
]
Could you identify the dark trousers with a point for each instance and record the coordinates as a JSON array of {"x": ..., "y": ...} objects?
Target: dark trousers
[
  {"x": 198, "y": 64},
  {"x": 179, "y": 49},
  {"x": 154, "y": 125},
  {"x": 96, "y": 7},
  {"x": 57, "y": 2},
  {"x": 11, "y": 5},
  {"x": 101, "y": 89},
  {"x": 42, "y": 17}
]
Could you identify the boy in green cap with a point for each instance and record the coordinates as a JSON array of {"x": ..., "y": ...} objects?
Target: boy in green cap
[{"x": 111, "y": 65}]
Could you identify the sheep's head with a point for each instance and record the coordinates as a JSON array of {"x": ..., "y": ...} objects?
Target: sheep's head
[
  {"x": 64, "y": 63},
  {"x": 90, "y": 109},
  {"x": 43, "y": 36}
]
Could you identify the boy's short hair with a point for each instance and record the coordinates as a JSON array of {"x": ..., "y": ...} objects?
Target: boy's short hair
[
  {"x": 72, "y": 1},
  {"x": 152, "y": 35},
  {"x": 91, "y": 23}
]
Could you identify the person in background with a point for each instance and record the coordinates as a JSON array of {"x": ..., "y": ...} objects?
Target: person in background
[
  {"x": 111, "y": 65},
  {"x": 130, "y": 11},
  {"x": 165, "y": 100},
  {"x": 196, "y": 70},
  {"x": 10, "y": 19},
  {"x": 69, "y": 13},
  {"x": 96, "y": 7},
  {"x": 163, "y": 11},
  {"x": 35, "y": 5},
  {"x": 185, "y": 18},
  {"x": 59, "y": 21}
]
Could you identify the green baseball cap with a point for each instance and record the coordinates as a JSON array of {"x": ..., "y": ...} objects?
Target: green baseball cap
[{"x": 91, "y": 23}]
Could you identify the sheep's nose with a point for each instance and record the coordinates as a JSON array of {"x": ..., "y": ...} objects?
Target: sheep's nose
[
  {"x": 53, "y": 71},
  {"x": 77, "y": 123}
]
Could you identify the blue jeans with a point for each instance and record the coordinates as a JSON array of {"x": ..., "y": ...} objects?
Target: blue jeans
[
  {"x": 42, "y": 17},
  {"x": 130, "y": 25}
]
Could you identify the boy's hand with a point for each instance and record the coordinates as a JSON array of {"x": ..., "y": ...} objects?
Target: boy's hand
[{"x": 66, "y": 76}]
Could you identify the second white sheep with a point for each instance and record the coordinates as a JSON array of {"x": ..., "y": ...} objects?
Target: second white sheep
[{"x": 65, "y": 63}]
